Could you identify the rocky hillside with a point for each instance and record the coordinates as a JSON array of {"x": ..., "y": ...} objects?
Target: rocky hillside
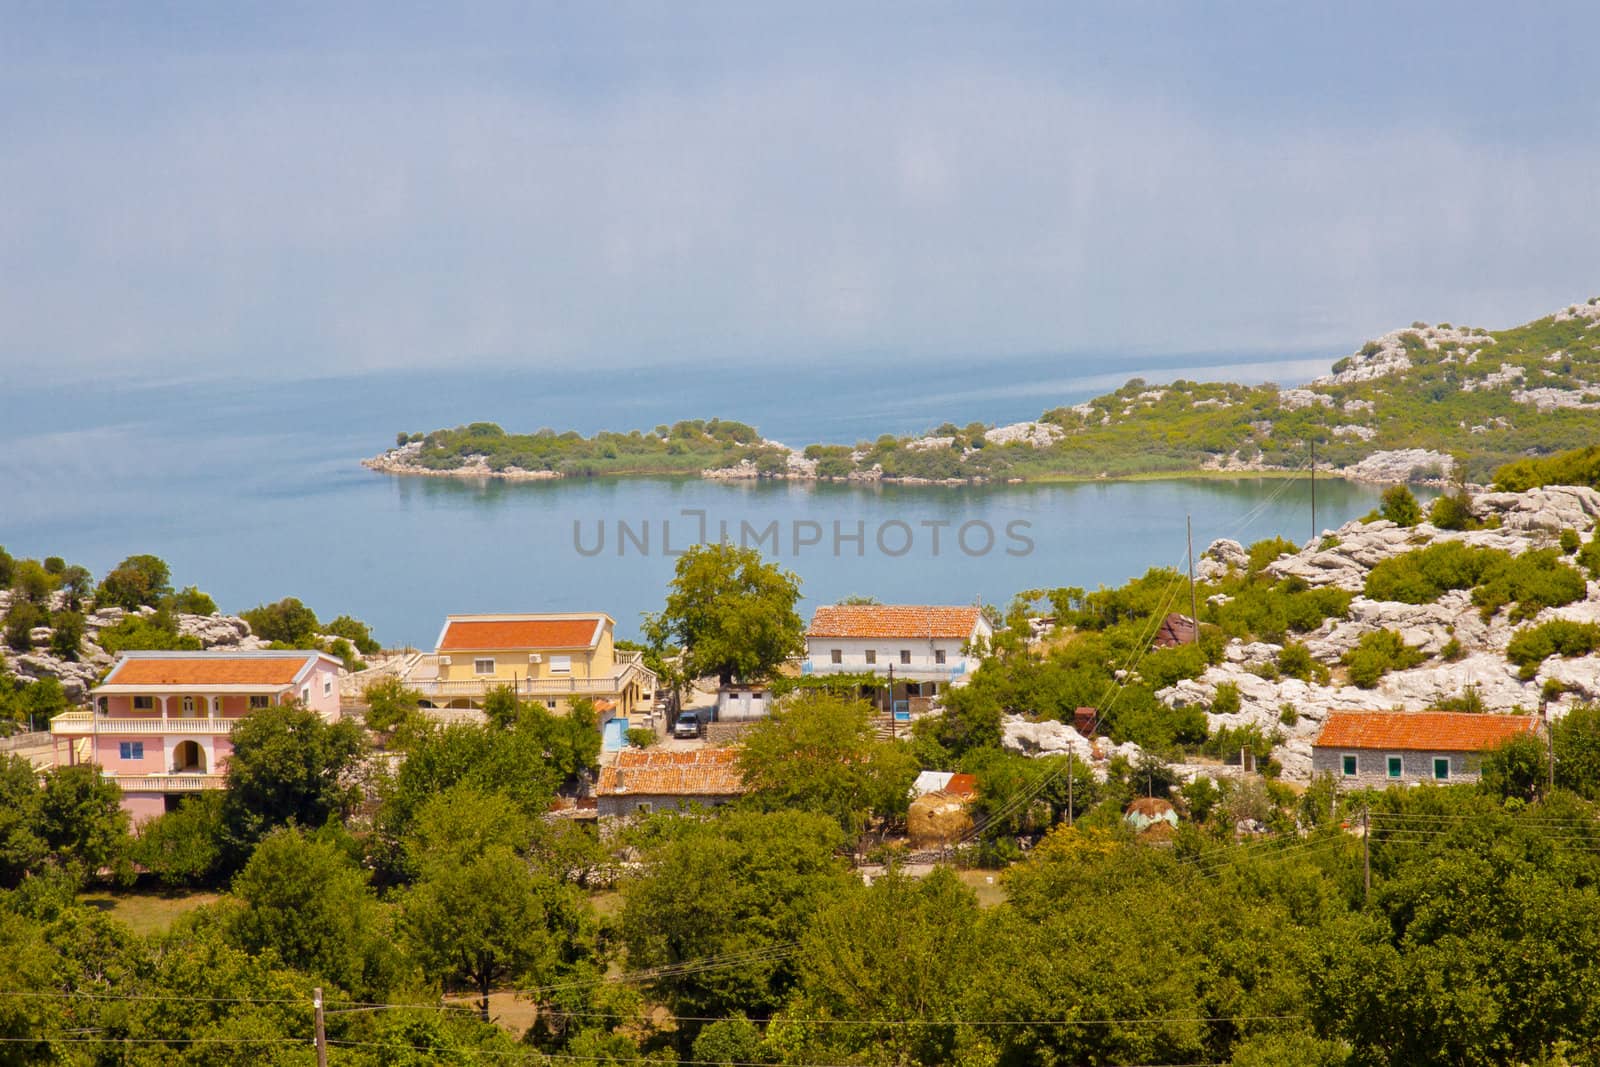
[{"x": 1400, "y": 408}]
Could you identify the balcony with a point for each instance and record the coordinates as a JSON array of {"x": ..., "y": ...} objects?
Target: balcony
[
  {"x": 78, "y": 723},
  {"x": 903, "y": 672},
  {"x": 168, "y": 783},
  {"x": 423, "y": 676}
]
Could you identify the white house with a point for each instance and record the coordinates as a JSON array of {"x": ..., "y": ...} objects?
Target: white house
[{"x": 923, "y": 647}]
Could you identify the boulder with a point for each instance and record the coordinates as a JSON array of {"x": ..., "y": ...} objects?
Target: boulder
[
  {"x": 226, "y": 631},
  {"x": 1549, "y": 509}
]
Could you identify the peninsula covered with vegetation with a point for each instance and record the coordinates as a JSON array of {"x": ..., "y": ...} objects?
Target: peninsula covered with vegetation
[{"x": 1402, "y": 407}]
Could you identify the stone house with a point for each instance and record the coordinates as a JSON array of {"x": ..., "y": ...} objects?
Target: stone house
[
  {"x": 1378, "y": 748},
  {"x": 642, "y": 781}
]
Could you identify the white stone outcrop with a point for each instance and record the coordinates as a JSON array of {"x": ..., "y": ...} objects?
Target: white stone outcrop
[{"x": 1399, "y": 466}]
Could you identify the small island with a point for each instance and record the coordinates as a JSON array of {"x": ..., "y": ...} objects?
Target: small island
[{"x": 1402, "y": 408}]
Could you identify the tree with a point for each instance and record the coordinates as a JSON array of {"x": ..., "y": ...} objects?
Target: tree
[
  {"x": 32, "y": 582},
  {"x": 288, "y": 765},
  {"x": 390, "y": 705},
  {"x": 191, "y": 601},
  {"x": 1575, "y": 737},
  {"x": 1515, "y": 768},
  {"x": 135, "y": 582},
  {"x": 22, "y": 850},
  {"x": 733, "y": 614},
  {"x": 305, "y": 900},
  {"x": 288, "y": 621},
  {"x": 77, "y": 583},
  {"x": 479, "y": 922},
  {"x": 1399, "y": 506},
  {"x": 66, "y": 635},
  {"x": 355, "y": 631},
  {"x": 743, "y": 885},
  {"x": 818, "y": 752},
  {"x": 184, "y": 847},
  {"x": 81, "y": 819},
  {"x": 8, "y": 565},
  {"x": 21, "y": 619}
]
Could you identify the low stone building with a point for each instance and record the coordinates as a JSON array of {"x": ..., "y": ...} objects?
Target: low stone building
[
  {"x": 642, "y": 781},
  {"x": 1377, "y": 748}
]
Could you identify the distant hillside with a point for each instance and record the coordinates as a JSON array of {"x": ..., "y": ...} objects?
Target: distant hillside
[{"x": 1407, "y": 405}]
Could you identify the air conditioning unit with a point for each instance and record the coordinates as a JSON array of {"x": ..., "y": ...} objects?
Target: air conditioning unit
[
  {"x": 444, "y": 661},
  {"x": 534, "y": 657}
]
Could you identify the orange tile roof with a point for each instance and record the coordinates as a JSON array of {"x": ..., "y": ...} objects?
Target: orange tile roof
[
  {"x": 961, "y": 785},
  {"x": 208, "y": 670},
  {"x": 893, "y": 620},
  {"x": 1421, "y": 731},
  {"x": 514, "y": 633},
  {"x": 705, "y": 772}
]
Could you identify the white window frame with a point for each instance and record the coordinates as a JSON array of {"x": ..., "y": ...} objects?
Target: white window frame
[
  {"x": 1388, "y": 767},
  {"x": 327, "y": 685},
  {"x": 872, "y": 655},
  {"x": 1445, "y": 777},
  {"x": 144, "y": 702},
  {"x": 644, "y": 807},
  {"x": 938, "y": 656},
  {"x": 477, "y": 665},
  {"x": 130, "y": 750},
  {"x": 560, "y": 664},
  {"x": 836, "y": 655},
  {"x": 1354, "y": 764},
  {"x": 905, "y": 657}
]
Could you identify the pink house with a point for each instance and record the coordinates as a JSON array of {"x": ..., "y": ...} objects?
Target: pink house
[{"x": 160, "y": 721}]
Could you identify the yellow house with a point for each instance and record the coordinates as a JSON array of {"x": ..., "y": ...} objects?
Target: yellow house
[{"x": 550, "y": 657}]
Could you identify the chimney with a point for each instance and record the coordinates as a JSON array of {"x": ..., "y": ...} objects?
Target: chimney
[{"x": 621, "y": 782}]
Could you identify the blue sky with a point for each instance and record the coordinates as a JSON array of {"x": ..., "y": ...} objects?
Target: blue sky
[{"x": 227, "y": 190}]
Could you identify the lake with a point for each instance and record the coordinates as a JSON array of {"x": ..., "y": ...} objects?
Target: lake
[{"x": 252, "y": 490}]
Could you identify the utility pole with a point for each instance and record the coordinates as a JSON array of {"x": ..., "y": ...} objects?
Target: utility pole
[
  {"x": 1069, "y": 788},
  {"x": 1313, "y": 489},
  {"x": 1366, "y": 850},
  {"x": 1549, "y": 743},
  {"x": 322, "y": 1037},
  {"x": 1194, "y": 603},
  {"x": 891, "y": 702}
]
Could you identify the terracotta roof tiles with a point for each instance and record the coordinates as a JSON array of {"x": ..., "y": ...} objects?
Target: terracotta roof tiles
[
  {"x": 893, "y": 620},
  {"x": 705, "y": 772},
  {"x": 208, "y": 670},
  {"x": 1421, "y": 731},
  {"x": 518, "y": 633}
]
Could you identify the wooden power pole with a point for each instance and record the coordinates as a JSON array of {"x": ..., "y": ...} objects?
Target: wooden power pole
[
  {"x": 1313, "y": 489},
  {"x": 1366, "y": 850},
  {"x": 1194, "y": 603},
  {"x": 322, "y": 1037}
]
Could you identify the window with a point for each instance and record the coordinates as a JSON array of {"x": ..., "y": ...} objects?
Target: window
[
  {"x": 550, "y": 705},
  {"x": 104, "y": 705},
  {"x": 131, "y": 749},
  {"x": 144, "y": 703},
  {"x": 836, "y": 656},
  {"x": 1349, "y": 766},
  {"x": 483, "y": 666},
  {"x": 305, "y": 695},
  {"x": 1396, "y": 766},
  {"x": 257, "y": 702},
  {"x": 872, "y": 655},
  {"x": 327, "y": 686},
  {"x": 560, "y": 664},
  {"x": 1441, "y": 768},
  {"x": 188, "y": 705},
  {"x": 938, "y": 655},
  {"x": 905, "y": 655},
  {"x": 642, "y": 808}
]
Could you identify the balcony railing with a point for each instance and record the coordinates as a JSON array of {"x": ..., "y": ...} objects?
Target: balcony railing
[
  {"x": 630, "y": 671},
  {"x": 85, "y": 722},
  {"x": 168, "y": 783},
  {"x": 903, "y": 672}
]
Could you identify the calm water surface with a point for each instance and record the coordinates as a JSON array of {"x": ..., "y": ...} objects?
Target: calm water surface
[{"x": 252, "y": 491}]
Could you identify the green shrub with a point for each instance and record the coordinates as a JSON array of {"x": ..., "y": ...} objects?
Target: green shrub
[
  {"x": 1264, "y": 552},
  {"x": 1578, "y": 467},
  {"x": 1452, "y": 652},
  {"x": 641, "y": 737},
  {"x": 138, "y": 633},
  {"x": 1289, "y": 715},
  {"x": 1378, "y": 653},
  {"x": 1296, "y": 661},
  {"x": 1453, "y": 512},
  {"x": 1532, "y": 581},
  {"x": 1569, "y": 541},
  {"x": 1532, "y": 645},
  {"x": 1469, "y": 700},
  {"x": 1399, "y": 506},
  {"x": 288, "y": 622},
  {"x": 1421, "y": 575},
  {"x": 1589, "y": 556},
  {"x": 191, "y": 601},
  {"x": 1226, "y": 702}
]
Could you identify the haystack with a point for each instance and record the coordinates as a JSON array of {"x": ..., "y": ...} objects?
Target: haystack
[{"x": 938, "y": 819}]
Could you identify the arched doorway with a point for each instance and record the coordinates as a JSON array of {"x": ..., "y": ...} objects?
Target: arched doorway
[{"x": 188, "y": 758}]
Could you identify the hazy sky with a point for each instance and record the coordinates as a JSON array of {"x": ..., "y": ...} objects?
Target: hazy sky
[{"x": 219, "y": 189}]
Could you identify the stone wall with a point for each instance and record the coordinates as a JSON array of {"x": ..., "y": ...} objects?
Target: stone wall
[{"x": 1372, "y": 767}]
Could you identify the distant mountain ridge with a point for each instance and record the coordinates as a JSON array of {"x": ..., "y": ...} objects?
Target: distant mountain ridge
[{"x": 1416, "y": 403}]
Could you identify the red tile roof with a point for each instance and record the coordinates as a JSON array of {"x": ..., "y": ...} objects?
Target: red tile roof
[
  {"x": 208, "y": 670},
  {"x": 961, "y": 785},
  {"x": 1421, "y": 731},
  {"x": 518, "y": 633},
  {"x": 893, "y": 620},
  {"x": 705, "y": 772}
]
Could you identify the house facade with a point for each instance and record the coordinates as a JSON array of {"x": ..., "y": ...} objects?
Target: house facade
[
  {"x": 159, "y": 723},
  {"x": 546, "y": 658},
  {"x": 924, "y": 648},
  {"x": 642, "y": 781},
  {"x": 1378, "y": 748}
]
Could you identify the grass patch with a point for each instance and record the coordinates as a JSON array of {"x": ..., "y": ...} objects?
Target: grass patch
[{"x": 148, "y": 913}]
